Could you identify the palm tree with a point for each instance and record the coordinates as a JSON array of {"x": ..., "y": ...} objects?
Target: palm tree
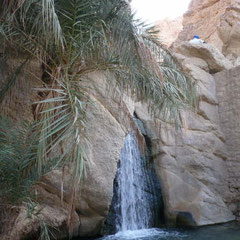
[{"x": 73, "y": 38}]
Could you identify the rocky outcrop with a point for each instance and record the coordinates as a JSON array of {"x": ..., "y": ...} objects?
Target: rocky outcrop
[
  {"x": 192, "y": 168},
  {"x": 106, "y": 131},
  {"x": 215, "y": 21},
  {"x": 202, "y": 18},
  {"x": 228, "y": 30},
  {"x": 192, "y": 163},
  {"x": 215, "y": 59},
  {"x": 95, "y": 192},
  {"x": 169, "y": 30}
]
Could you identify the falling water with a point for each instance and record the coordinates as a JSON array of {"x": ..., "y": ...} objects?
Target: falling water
[{"x": 135, "y": 211}]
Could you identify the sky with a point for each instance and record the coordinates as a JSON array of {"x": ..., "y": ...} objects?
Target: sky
[{"x": 153, "y": 10}]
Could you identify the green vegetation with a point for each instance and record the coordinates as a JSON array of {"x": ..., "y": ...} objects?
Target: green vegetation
[
  {"x": 73, "y": 38},
  {"x": 18, "y": 158}
]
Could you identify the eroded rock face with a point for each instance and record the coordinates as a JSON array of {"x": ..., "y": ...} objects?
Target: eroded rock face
[
  {"x": 229, "y": 30},
  {"x": 106, "y": 132},
  {"x": 202, "y": 18},
  {"x": 95, "y": 192},
  {"x": 214, "y": 58},
  {"x": 193, "y": 165},
  {"x": 215, "y": 21}
]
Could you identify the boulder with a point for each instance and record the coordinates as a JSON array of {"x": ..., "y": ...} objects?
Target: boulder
[
  {"x": 214, "y": 58},
  {"x": 184, "y": 193},
  {"x": 49, "y": 213}
]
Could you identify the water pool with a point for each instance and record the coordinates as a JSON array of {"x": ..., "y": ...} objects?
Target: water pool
[{"x": 229, "y": 231}]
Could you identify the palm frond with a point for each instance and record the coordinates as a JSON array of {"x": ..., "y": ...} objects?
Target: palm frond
[
  {"x": 63, "y": 120},
  {"x": 32, "y": 23},
  {"x": 97, "y": 35},
  {"x": 73, "y": 38},
  {"x": 18, "y": 159}
]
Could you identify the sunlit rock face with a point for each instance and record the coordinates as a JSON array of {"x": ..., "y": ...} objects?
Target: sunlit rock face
[
  {"x": 193, "y": 163},
  {"x": 215, "y": 21},
  {"x": 169, "y": 30},
  {"x": 216, "y": 61},
  {"x": 229, "y": 31},
  {"x": 202, "y": 18}
]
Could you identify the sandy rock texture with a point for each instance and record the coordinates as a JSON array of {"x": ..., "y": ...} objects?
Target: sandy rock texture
[
  {"x": 215, "y": 60},
  {"x": 192, "y": 163},
  {"x": 106, "y": 132},
  {"x": 215, "y": 21},
  {"x": 202, "y": 18},
  {"x": 229, "y": 31},
  {"x": 169, "y": 30}
]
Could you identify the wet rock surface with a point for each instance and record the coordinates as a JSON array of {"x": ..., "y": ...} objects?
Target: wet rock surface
[{"x": 150, "y": 187}]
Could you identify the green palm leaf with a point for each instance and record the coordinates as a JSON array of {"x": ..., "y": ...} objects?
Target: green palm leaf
[{"x": 73, "y": 38}]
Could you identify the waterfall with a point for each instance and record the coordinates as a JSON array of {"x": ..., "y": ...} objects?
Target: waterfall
[
  {"x": 135, "y": 212},
  {"x": 137, "y": 200}
]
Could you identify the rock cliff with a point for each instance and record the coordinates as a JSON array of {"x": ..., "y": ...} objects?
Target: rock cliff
[
  {"x": 228, "y": 31},
  {"x": 195, "y": 165},
  {"x": 202, "y": 18},
  {"x": 198, "y": 166},
  {"x": 169, "y": 30},
  {"x": 215, "y": 21},
  {"x": 227, "y": 85}
]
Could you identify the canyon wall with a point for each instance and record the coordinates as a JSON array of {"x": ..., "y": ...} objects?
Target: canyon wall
[
  {"x": 191, "y": 164},
  {"x": 228, "y": 93},
  {"x": 202, "y": 18},
  {"x": 215, "y": 21},
  {"x": 198, "y": 165}
]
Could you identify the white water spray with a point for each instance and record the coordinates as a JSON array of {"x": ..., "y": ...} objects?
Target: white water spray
[{"x": 135, "y": 209}]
